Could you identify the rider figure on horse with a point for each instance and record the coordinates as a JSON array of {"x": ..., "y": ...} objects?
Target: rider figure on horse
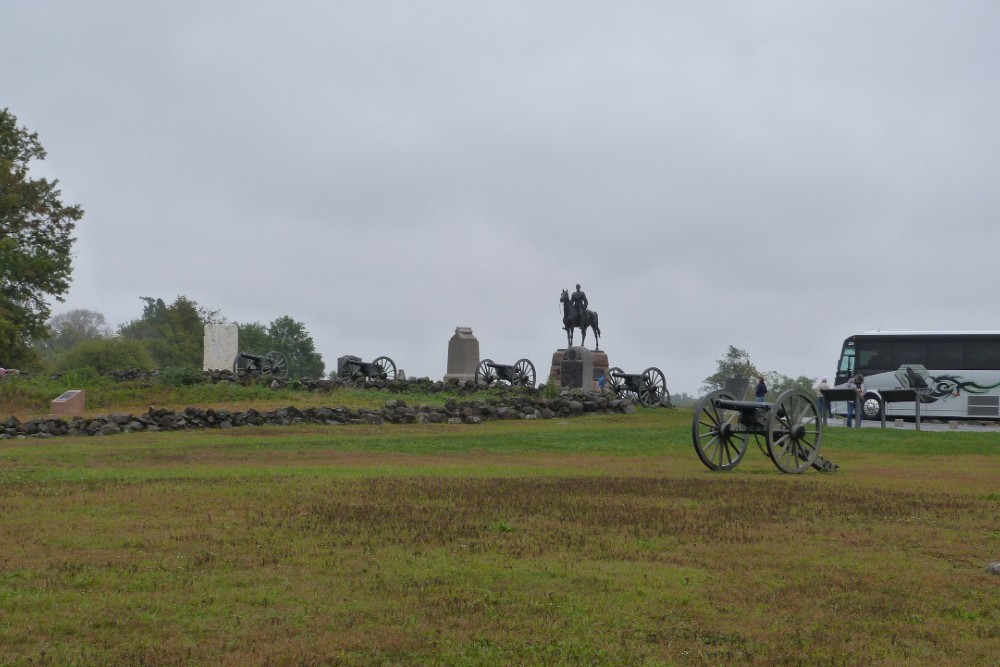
[{"x": 579, "y": 303}]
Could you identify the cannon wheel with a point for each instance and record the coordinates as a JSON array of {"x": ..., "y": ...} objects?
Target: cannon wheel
[
  {"x": 274, "y": 364},
  {"x": 716, "y": 440},
  {"x": 794, "y": 431},
  {"x": 652, "y": 388},
  {"x": 243, "y": 364},
  {"x": 383, "y": 368},
  {"x": 524, "y": 374},
  {"x": 615, "y": 381},
  {"x": 486, "y": 373},
  {"x": 351, "y": 370}
]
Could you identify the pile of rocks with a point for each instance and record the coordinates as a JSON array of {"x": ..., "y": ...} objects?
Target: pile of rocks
[{"x": 514, "y": 406}]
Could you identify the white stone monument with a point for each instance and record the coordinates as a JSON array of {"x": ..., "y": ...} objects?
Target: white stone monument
[
  {"x": 221, "y": 346},
  {"x": 463, "y": 356}
]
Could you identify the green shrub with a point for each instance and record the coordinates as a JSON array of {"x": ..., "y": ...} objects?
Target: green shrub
[
  {"x": 551, "y": 388},
  {"x": 181, "y": 376},
  {"x": 106, "y": 354}
]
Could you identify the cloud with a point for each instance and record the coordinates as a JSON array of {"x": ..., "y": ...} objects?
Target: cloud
[{"x": 771, "y": 176}]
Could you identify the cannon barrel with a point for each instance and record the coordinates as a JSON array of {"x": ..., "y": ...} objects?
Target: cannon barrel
[{"x": 740, "y": 406}]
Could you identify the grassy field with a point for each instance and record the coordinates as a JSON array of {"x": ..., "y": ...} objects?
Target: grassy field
[{"x": 598, "y": 540}]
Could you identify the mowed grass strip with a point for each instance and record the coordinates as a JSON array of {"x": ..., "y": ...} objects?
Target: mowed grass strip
[{"x": 599, "y": 540}]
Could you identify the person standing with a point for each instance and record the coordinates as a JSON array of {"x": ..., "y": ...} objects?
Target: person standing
[
  {"x": 824, "y": 409},
  {"x": 761, "y": 391},
  {"x": 857, "y": 383}
]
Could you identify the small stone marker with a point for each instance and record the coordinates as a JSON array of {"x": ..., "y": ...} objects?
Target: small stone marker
[
  {"x": 68, "y": 403},
  {"x": 993, "y": 568},
  {"x": 221, "y": 346},
  {"x": 463, "y": 356}
]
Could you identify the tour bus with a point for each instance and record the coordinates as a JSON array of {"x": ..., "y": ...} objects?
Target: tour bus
[{"x": 957, "y": 373}]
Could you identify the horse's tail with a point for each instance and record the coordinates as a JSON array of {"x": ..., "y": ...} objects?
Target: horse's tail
[{"x": 593, "y": 324}]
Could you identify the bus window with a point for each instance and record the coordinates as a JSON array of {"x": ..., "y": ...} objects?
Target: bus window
[
  {"x": 876, "y": 356},
  {"x": 846, "y": 368},
  {"x": 982, "y": 354},
  {"x": 911, "y": 352},
  {"x": 945, "y": 355}
]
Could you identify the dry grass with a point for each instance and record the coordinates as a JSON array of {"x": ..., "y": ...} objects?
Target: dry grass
[{"x": 592, "y": 541}]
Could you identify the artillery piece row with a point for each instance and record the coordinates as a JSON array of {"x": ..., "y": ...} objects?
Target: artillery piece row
[{"x": 648, "y": 388}]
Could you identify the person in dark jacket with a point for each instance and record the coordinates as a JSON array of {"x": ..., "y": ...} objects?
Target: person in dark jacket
[{"x": 761, "y": 390}]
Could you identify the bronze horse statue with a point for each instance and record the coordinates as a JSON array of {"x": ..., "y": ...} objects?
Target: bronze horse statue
[{"x": 572, "y": 319}]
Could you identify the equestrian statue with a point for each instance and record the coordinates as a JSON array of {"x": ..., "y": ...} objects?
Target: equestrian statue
[{"x": 576, "y": 315}]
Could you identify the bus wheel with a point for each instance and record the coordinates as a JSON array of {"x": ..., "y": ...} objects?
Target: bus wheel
[{"x": 871, "y": 407}]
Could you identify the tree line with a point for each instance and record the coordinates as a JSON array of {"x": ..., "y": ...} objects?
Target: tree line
[{"x": 167, "y": 336}]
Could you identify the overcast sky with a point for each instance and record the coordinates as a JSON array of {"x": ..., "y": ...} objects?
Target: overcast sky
[{"x": 770, "y": 175}]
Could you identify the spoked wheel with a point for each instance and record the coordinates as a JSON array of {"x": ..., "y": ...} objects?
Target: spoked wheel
[
  {"x": 242, "y": 365},
  {"x": 383, "y": 368},
  {"x": 652, "y": 388},
  {"x": 351, "y": 370},
  {"x": 718, "y": 440},
  {"x": 524, "y": 374},
  {"x": 274, "y": 364},
  {"x": 615, "y": 381},
  {"x": 485, "y": 373},
  {"x": 794, "y": 432}
]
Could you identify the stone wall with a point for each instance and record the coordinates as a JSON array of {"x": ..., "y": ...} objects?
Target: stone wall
[{"x": 516, "y": 405}]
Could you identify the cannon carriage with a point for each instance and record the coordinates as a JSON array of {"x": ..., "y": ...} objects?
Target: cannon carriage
[
  {"x": 354, "y": 369},
  {"x": 792, "y": 429},
  {"x": 272, "y": 364},
  {"x": 648, "y": 388},
  {"x": 520, "y": 374}
]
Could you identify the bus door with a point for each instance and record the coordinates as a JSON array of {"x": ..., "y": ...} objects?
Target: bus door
[{"x": 845, "y": 369}]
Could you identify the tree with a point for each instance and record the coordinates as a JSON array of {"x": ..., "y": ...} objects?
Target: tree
[
  {"x": 292, "y": 340},
  {"x": 253, "y": 338},
  {"x": 288, "y": 337},
  {"x": 778, "y": 383},
  {"x": 35, "y": 243},
  {"x": 72, "y": 327},
  {"x": 174, "y": 334},
  {"x": 736, "y": 363}
]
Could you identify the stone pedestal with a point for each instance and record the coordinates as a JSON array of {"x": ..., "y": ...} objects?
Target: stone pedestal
[
  {"x": 221, "y": 346},
  {"x": 69, "y": 403},
  {"x": 578, "y": 368},
  {"x": 463, "y": 356}
]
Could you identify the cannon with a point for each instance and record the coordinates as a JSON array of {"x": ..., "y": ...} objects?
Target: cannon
[
  {"x": 352, "y": 368},
  {"x": 272, "y": 364},
  {"x": 648, "y": 388},
  {"x": 521, "y": 374},
  {"x": 792, "y": 429}
]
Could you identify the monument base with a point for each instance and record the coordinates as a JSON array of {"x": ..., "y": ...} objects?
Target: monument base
[{"x": 578, "y": 368}]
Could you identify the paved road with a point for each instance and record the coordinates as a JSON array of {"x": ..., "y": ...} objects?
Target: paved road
[{"x": 935, "y": 425}]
